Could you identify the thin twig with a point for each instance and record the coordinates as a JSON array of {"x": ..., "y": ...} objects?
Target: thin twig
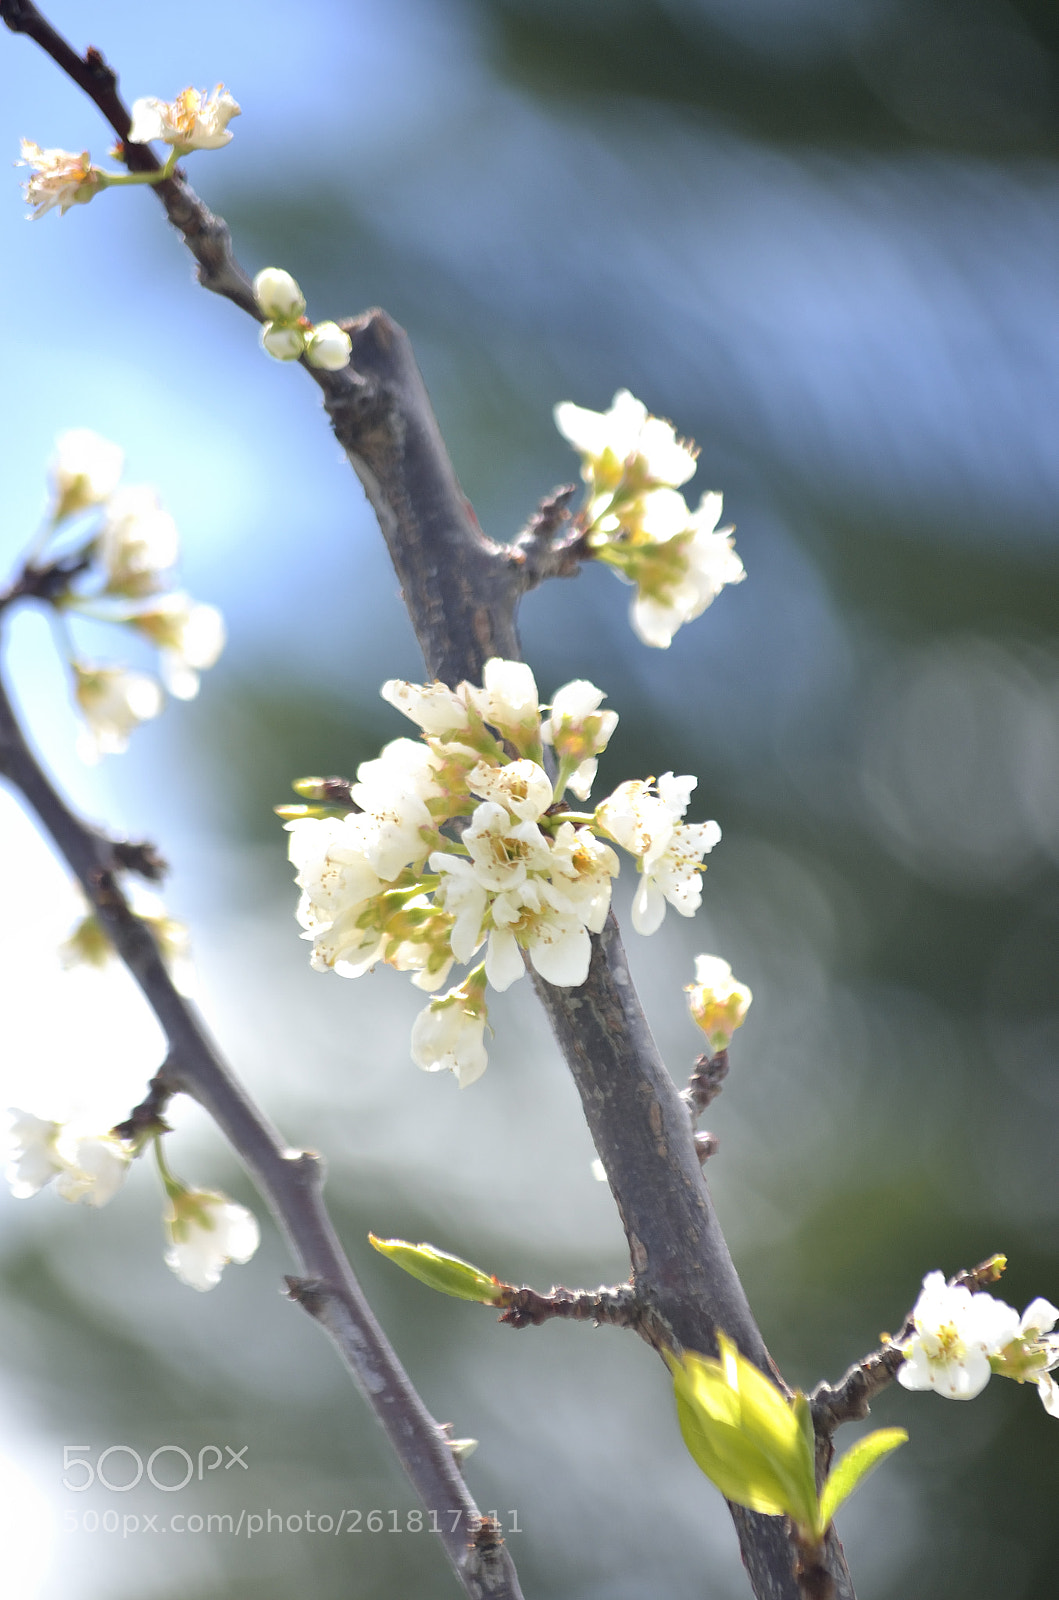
[
  {"x": 617, "y": 1308},
  {"x": 850, "y": 1399},
  {"x": 552, "y": 544},
  {"x": 705, "y": 1083},
  {"x": 290, "y": 1181}
]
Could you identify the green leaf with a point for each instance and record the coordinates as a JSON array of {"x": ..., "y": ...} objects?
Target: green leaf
[
  {"x": 850, "y": 1470},
  {"x": 730, "y": 1462},
  {"x": 745, "y": 1435},
  {"x": 448, "y": 1274}
]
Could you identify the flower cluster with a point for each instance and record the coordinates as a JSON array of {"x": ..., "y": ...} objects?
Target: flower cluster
[
  {"x": 204, "y": 1230},
  {"x": 637, "y": 521},
  {"x": 119, "y": 570},
  {"x": 462, "y": 841},
  {"x": 193, "y": 121},
  {"x": 288, "y": 334},
  {"x": 961, "y": 1338}
]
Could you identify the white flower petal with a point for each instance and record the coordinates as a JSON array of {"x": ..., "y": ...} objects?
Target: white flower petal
[
  {"x": 563, "y": 958},
  {"x": 648, "y": 907},
  {"x": 503, "y": 960}
]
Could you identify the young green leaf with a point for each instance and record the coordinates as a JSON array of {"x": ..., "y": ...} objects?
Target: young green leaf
[
  {"x": 744, "y": 1434},
  {"x": 851, "y": 1469},
  {"x": 448, "y": 1274}
]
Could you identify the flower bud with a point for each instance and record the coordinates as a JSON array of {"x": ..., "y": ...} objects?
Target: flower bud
[
  {"x": 717, "y": 1002},
  {"x": 329, "y": 347},
  {"x": 278, "y": 295},
  {"x": 282, "y": 341}
]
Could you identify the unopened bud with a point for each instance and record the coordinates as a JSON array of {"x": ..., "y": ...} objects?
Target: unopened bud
[
  {"x": 329, "y": 347},
  {"x": 283, "y": 341},
  {"x": 717, "y": 1002},
  {"x": 278, "y": 295}
]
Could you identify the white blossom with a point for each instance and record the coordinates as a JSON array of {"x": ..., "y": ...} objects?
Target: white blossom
[
  {"x": 717, "y": 1001},
  {"x": 507, "y": 701},
  {"x": 34, "y": 1159},
  {"x": 582, "y": 869},
  {"x": 192, "y": 121},
  {"x": 434, "y": 707},
  {"x": 328, "y": 347},
  {"x": 114, "y": 702},
  {"x": 523, "y": 787},
  {"x": 337, "y": 883},
  {"x": 278, "y": 295},
  {"x": 625, "y": 441},
  {"x": 189, "y": 635},
  {"x": 1039, "y": 1317},
  {"x": 84, "y": 471},
  {"x": 60, "y": 178},
  {"x": 670, "y": 852},
  {"x": 421, "y": 877},
  {"x": 538, "y": 917},
  {"x": 94, "y": 1166},
  {"x": 397, "y": 836},
  {"x": 205, "y": 1231},
  {"x": 449, "y": 1035},
  {"x": 137, "y": 544},
  {"x": 463, "y": 895},
  {"x": 403, "y": 769},
  {"x": 503, "y": 852},
  {"x": 956, "y": 1332},
  {"x": 579, "y": 731},
  {"x": 1033, "y": 1352},
  {"x": 687, "y": 574}
]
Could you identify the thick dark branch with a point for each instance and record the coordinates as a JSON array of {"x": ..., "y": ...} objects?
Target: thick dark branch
[{"x": 290, "y": 1181}]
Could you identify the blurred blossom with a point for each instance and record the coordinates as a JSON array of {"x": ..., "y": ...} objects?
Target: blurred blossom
[
  {"x": 206, "y": 1231},
  {"x": 138, "y": 543},
  {"x": 59, "y": 178},
  {"x": 84, "y": 471},
  {"x": 113, "y": 702},
  {"x": 190, "y": 637}
]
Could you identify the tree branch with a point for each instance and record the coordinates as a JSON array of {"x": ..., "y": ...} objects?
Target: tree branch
[
  {"x": 290, "y": 1181},
  {"x": 462, "y": 591},
  {"x": 617, "y": 1308}
]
